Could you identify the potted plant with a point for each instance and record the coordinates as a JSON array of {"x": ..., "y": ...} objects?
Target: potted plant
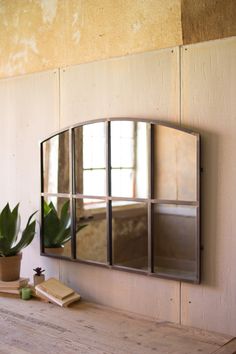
[
  {"x": 11, "y": 243},
  {"x": 39, "y": 277},
  {"x": 57, "y": 228}
]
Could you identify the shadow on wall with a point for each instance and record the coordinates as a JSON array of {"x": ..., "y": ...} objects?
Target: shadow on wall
[{"x": 210, "y": 206}]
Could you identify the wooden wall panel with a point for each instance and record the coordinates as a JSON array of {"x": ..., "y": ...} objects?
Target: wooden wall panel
[
  {"x": 143, "y": 85},
  {"x": 29, "y": 112},
  {"x": 209, "y": 106},
  {"x": 151, "y": 297}
]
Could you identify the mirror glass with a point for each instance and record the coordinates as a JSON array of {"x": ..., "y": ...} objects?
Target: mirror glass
[
  {"x": 90, "y": 159},
  {"x": 56, "y": 170},
  {"x": 91, "y": 226},
  {"x": 130, "y": 234},
  {"x": 129, "y": 159},
  {"x": 119, "y": 169},
  {"x": 175, "y": 164},
  {"x": 175, "y": 240},
  {"x": 57, "y": 226}
]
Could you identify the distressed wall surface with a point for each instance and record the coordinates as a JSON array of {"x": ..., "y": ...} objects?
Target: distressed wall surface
[
  {"x": 37, "y": 35},
  {"x": 204, "y": 20},
  {"x": 43, "y": 34}
]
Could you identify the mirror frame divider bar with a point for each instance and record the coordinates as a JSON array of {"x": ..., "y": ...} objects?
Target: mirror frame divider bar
[
  {"x": 108, "y": 193},
  {"x": 72, "y": 189}
]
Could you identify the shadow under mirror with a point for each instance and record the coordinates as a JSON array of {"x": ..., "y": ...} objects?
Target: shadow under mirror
[
  {"x": 130, "y": 159},
  {"x": 175, "y": 164},
  {"x": 91, "y": 226},
  {"x": 56, "y": 170},
  {"x": 130, "y": 234},
  {"x": 90, "y": 159},
  {"x": 175, "y": 240},
  {"x": 56, "y": 230}
]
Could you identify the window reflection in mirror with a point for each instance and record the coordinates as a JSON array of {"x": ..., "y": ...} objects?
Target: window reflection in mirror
[
  {"x": 56, "y": 164},
  {"x": 129, "y": 159},
  {"x": 175, "y": 164},
  {"x": 91, "y": 234},
  {"x": 175, "y": 233},
  {"x": 130, "y": 234},
  {"x": 57, "y": 226},
  {"x": 90, "y": 159},
  {"x": 172, "y": 225}
]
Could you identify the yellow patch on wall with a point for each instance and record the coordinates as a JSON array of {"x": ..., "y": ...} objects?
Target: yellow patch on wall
[{"x": 37, "y": 35}]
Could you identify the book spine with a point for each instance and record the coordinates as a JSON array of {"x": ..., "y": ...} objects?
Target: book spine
[{"x": 48, "y": 296}]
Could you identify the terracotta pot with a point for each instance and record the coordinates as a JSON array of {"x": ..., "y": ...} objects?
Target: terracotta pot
[
  {"x": 10, "y": 267},
  {"x": 57, "y": 251}
]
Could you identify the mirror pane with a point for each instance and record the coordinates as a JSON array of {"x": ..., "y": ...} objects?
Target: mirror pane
[
  {"x": 175, "y": 240},
  {"x": 129, "y": 159},
  {"x": 56, "y": 170},
  {"x": 91, "y": 235},
  {"x": 90, "y": 159},
  {"x": 130, "y": 234},
  {"x": 175, "y": 164},
  {"x": 57, "y": 226}
]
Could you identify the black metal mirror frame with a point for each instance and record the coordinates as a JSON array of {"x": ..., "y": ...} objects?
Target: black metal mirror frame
[{"x": 72, "y": 196}]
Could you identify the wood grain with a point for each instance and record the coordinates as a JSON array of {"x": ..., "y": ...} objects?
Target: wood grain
[
  {"x": 209, "y": 106},
  {"x": 36, "y": 327},
  {"x": 29, "y": 110}
]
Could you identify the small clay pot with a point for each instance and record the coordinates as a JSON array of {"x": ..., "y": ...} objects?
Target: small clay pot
[
  {"x": 38, "y": 279},
  {"x": 10, "y": 267}
]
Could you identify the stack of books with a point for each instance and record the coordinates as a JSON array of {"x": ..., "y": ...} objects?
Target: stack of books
[
  {"x": 56, "y": 292},
  {"x": 13, "y": 287}
]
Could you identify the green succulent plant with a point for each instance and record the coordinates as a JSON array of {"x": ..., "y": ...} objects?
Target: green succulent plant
[
  {"x": 10, "y": 241},
  {"x": 57, "y": 228}
]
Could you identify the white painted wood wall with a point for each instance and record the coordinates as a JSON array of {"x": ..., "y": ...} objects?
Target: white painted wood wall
[{"x": 197, "y": 91}]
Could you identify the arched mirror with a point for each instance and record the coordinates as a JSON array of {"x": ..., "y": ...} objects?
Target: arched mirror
[{"x": 124, "y": 194}]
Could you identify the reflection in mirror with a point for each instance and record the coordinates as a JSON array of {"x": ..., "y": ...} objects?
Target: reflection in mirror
[
  {"x": 57, "y": 226},
  {"x": 175, "y": 234},
  {"x": 90, "y": 159},
  {"x": 56, "y": 164},
  {"x": 129, "y": 159},
  {"x": 91, "y": 225},
  {"x": 130, "y": 234},
  {"x": 175, "y": 164}
]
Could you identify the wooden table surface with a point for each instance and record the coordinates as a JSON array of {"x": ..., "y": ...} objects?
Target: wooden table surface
[{"x": 84, "y": 328}]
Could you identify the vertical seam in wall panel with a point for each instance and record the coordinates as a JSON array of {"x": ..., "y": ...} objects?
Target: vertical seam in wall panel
[
  {"x": 59, "y": 124},
  {"x": 180, "y": 85},
  {"x": 180, "y": 302},
  {"x": 180, "y": 121},
  {"x": 59, "y": 96}
]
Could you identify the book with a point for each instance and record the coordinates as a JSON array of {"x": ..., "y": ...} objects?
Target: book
[
  {"x": 12, "y": 285},
  {"x": 63, "y": 303},
  {"x": 10, "y": 291},
  {"x": 55, "y": 288}
]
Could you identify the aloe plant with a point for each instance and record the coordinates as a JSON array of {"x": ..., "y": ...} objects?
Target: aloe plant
[
  {"x": 57, "y": 228},
  {"x": 10, "y": 241}
]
